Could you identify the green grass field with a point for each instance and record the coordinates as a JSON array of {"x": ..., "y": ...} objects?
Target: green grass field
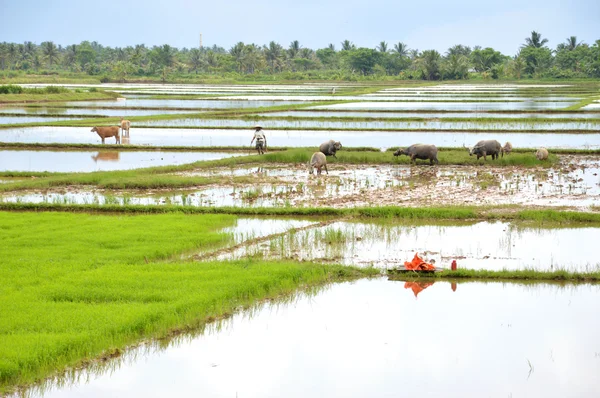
[{"x": 79, "y": 286}]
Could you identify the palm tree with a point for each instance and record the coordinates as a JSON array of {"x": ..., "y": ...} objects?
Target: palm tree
[
  {"x": 535, "y": 40},
  {"x": 50, "y": 52},
  {"x": 331, "y": 46},
  {"x": 429, "y": 63},
  {"x": 252, "y": 58},
  {"x": 457, "y": 66},
  {"x": 517, "y": 66},
  {"x": 211, "y": 59},
  {"x": 401, "y": 49},
  {"x": 459, "y": 49},
  {"x": 195, "y": 59},
  {"x": 383, "y": 47},
  {"x": 273, "y": 54},
  {"x": 294, "y": 49},
  {"x": 70, "y": 56},
  {"x": 347, "y": 45},
  {"x": 570, "y": 45},
  {"x": 306, "y": 53},
  {"x": 237, "y": 52},
  {"x": 12, "y": 51},
  {"x": 29, "y": 48}
]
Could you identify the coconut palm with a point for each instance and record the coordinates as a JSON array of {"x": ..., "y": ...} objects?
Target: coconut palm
[
  {"x": 383, "y": 47},
  {"x": 294, "y": 49},
  {"x": 29, "y": 48},
  {"x": 195, "y": 59},
  {"x": 50, "y": 52},
  {"x": 457, "y": 66},
  {"x": 12, "y": 52},
  {"x": 459, "y": 49},
  {"x": 570, "y": 44},
  {"x": 401, "y": 49},
  {"x": 70, "y": 56},
  {"x": 517, "y": 66},
  {"x": 306, "y": 53},
  {"x": 273, "y": 55},
  {"x": 252, "y": 58},
  {"x": 429, "y": 63},
  {"x": 535, "y": 40},
  {"x": 347, "y": 45},
  {"x": 238, "y": 52},
  {"x": 331, "y": 46}
]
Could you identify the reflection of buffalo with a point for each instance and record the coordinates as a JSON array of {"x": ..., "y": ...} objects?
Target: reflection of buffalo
[{"x": 106, "y": 156}]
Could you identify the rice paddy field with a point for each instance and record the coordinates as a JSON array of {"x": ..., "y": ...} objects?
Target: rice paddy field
[{"x": 181, "y": 262}]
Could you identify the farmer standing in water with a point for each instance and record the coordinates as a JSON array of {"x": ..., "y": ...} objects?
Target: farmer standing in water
[{"x": 261, "y": 140}]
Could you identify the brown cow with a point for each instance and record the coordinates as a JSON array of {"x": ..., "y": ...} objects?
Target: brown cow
[
  {"x": 110, "y": 131},
  {"x": 125, "y": 125}
]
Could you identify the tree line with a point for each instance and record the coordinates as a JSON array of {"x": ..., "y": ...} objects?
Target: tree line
[{"x": 570, "y": 59}]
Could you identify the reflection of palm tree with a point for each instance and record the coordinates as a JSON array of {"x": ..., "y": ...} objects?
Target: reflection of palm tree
[
  {"x": 535, "y": 40},
  {"x": 347, "y": 45}
]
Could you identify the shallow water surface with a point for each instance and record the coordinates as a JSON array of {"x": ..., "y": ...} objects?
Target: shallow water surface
[
  {"x": 85, "y": 161},
  {"x": 483, "y": 106},
  {"x": 88, "y": 111},
  {"x": 173, "y": 103},
  {"x": 430, "y": 115},
  {"x": 482, "y": 245},
  {"x": 298, "y": 138},
  {"x": 357, "y": 339}
]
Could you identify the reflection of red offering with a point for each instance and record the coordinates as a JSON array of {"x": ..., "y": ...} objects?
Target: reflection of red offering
[
  {"x": 418, "y": 264},
  {"x": 453, "y": 286},
  {"x": 417, "y": 287}
]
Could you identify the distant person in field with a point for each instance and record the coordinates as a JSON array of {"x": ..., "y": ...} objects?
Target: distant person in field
[{"x": 261, "y": 140}]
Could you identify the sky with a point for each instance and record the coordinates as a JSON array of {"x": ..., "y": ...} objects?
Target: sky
[{"x": 423, "y": 25}]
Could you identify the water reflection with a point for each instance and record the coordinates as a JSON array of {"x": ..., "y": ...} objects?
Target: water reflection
[
  {"x": 370, "y": 338},
  {"x": 301, "y": 138},
  {"x": 106, "y": 156},
  {"x": 418, "y": 287}
]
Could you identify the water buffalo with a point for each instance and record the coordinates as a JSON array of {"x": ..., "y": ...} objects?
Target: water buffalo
[
  {"x": 541, "y": 154},
  {"x": 330, "y": 147},
  {"x": 110, "y": 131},
  {"x": 487, "y": 147},
  {"x": 318, "y": 161},
  {"x": 420, "y": 151},
  {"x": 507, "y": 148}
]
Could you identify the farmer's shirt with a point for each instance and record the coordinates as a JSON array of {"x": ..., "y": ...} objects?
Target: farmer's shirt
[{"x": 259, "y": 135}]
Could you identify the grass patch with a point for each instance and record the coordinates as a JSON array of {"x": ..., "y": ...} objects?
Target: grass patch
[
  {"x": 504, "y": 275},
  {"x": 555, "y": 217},
  {"x": 59, "y": 97},
  {"x": 80, "y": 286}
]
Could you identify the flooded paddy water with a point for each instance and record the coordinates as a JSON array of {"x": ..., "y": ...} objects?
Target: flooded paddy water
[
  {"x": 474, "y": 116},
  {"x": 482, "y": 106},
  {"x": 299, "y": 138},
  {"x": 87, "y": 161},
  {"x": 574, "y": 183},
  {"x": 387, "y": 244},
  {"x": 38, "y": 110},
  {"x": 592, "y": 126},
  {"x": 357, "y": 339}
]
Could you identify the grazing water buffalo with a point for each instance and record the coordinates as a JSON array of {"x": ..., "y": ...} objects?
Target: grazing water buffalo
[
  {"x": 317, "y": 161},
  {"x": 487, "y": 147},
  {"x": 111, "y": 131},
  {"x": 420, "y": 151},
  {"x": 330, "y": 147},
  {"x": 542, "y": 154},
  {"x": 507, "y": 148},
  {"x": 125, "y": 125}
]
